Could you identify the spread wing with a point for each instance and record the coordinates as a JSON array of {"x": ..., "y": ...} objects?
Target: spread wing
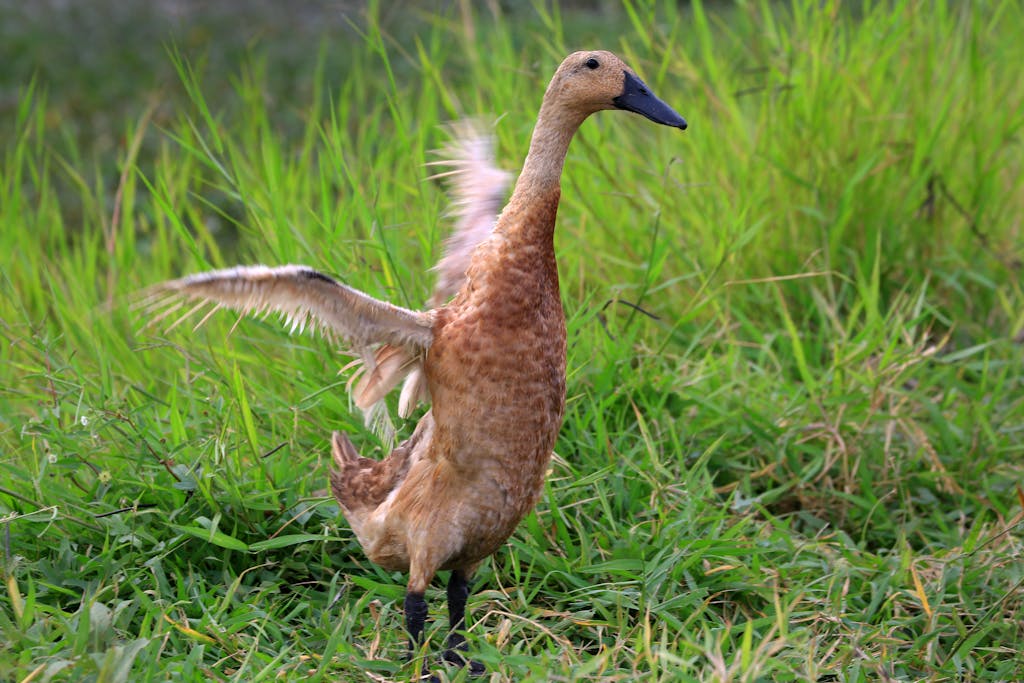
[
  {"x": 477, "y": 189},
  {"x": 305, "y": 298}
]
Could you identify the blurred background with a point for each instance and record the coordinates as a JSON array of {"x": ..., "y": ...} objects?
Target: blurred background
[{"x": 102, "y": 62}]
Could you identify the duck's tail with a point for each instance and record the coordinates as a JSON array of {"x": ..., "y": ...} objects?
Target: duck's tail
[{"x": 361, "y": 484}]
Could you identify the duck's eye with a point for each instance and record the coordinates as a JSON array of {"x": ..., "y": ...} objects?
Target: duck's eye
[{"x": 592, "y": 63}]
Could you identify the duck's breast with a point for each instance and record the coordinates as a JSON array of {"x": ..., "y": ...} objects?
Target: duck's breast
[{"x": 496, "y": 368}]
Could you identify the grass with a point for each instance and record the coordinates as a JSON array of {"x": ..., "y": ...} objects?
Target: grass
[{"x": 807, "y": 467}]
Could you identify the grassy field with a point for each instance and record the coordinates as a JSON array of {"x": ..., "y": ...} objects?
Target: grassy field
[{"x": 808, "y": 466}]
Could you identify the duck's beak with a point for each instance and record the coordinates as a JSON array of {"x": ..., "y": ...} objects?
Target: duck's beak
[{"x": 637, "y": 98}]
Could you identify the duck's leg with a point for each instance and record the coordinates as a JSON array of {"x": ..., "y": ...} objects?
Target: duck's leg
[
  {"x": 415, "y": 618},
  {"x": 458, "y": 593},
  {"x": 421, "y": 571}
]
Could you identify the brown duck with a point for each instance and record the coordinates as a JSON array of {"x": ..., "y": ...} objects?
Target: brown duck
[{"x": 491, "y": 361}]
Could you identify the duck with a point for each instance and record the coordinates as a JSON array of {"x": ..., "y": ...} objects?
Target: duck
[{"x": 488, "y": 355}]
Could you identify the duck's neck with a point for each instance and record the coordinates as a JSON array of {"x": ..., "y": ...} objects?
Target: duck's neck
[
  {"x": 548, "y": 148},
  {"x": 538, "y": 187}
]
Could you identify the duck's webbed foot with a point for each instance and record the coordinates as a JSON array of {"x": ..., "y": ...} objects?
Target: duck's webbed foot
[{"x": 458, "y": 593}]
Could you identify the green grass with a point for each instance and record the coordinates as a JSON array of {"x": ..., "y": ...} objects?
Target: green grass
[{"x": 807, "y": 467}]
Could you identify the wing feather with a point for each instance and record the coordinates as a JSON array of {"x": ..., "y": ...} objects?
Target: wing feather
[
  {"x": 477, "y": 188},
  {"x": 307, "y": 298}
]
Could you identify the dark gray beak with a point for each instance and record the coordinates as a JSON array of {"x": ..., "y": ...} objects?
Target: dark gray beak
[{"x": 636, "y": 97}]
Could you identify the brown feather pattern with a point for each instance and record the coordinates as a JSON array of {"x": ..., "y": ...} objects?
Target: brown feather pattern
[{"x": 477, "y": 188}]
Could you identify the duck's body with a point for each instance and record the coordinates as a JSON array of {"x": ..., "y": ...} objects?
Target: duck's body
[
  {"x": 476, "y": 465},
  {"x": 493, "y": 360}
]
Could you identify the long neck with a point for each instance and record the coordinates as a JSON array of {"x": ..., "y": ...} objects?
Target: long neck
[
  {"x": 548, "y": 147},
  {"x": 538, "y": 186}
]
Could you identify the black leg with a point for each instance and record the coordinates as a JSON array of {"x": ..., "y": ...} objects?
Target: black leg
[
  {"x": 458, "y": 592},
  {"x": 415, "y": 616}
]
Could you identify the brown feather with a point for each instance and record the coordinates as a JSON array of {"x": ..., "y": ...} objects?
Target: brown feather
[{"x": 391, "y": 365}]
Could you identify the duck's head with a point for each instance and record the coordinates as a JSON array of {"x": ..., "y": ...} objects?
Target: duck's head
[{"x": 593, "y": 80}]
